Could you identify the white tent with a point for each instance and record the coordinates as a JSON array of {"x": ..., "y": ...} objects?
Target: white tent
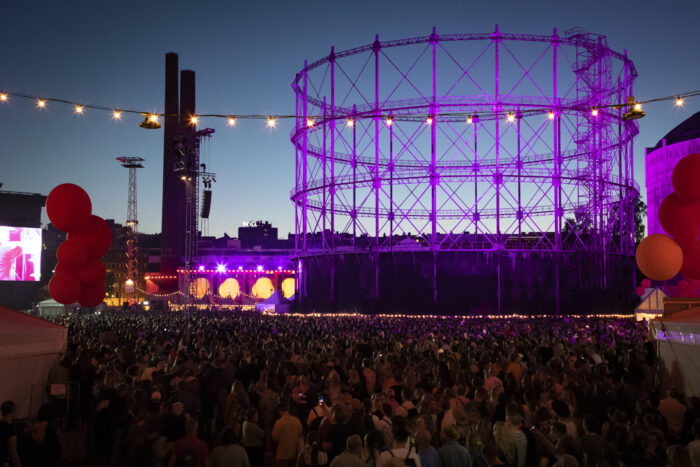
[
  {"x": 652, "y": 305},
  {"x": 678, "y": 339},
  {"x": 274, "y": 303},
  {"x": 51, "y": 307},
  {"x": 29, "y": 348}
]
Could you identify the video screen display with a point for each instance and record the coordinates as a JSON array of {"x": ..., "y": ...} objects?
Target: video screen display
[{"x": 20, "y": 253}]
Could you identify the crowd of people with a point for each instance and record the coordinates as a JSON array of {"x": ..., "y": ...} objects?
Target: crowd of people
[{"x": 243, "y": 390}]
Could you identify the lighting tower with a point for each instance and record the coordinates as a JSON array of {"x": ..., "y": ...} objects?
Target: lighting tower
[{"x": 131, "y": 163}]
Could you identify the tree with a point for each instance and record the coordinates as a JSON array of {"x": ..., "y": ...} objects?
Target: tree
[{"x": 640, "y": 215}]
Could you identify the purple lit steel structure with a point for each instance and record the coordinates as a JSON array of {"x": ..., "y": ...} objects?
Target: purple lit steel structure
[{"x": 466, "y": 142}]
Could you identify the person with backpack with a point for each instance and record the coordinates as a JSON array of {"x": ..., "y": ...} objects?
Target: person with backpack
[{"x": 403, "y": 445}]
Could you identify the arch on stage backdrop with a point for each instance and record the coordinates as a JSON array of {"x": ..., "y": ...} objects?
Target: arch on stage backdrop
[
  {"x": 202, "y": 287},
  {"x": 230, "y": 288},
  {"x": 288, "y": 286},
  {"x": 263, "y": 288}
]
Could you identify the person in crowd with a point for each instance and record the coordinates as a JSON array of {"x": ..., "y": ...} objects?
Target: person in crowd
[
  {"x": 312, "y": 455},
  {"x": 286, "y": 434},
  {"x": 673, "y": 410},
  {"x": 253, "y": 439},
  {"x": 428, "y": 455},
  {"x": 190, "y": 450},
  {"x": 503, "y": 437},
  {"x": 229, "y": 453},
  {"x": 352, "y": 457},
  {"x": 9, "y": 456},
  {"x": 452, "y": 454}
]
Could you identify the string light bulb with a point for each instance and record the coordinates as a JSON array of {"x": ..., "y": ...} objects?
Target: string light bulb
[
  {"x": 638, "y": 106},
  {"x": 389, "y": 121},
  {"x": 594, "y": 112},
  {"x": 153, "y": 118},
  {"x": 510, "y": 118},
  {"x": 469, "y": 120},
  {"x": 79, "y": 109},
  {"x": 3, "y": 97},
  {"x": 310, "y": 122},
  {"x": 194, "y": 120},
  {"x": 679, "y": 101},
  {"x": 429, "y": 120},
  {"x": 350, "y": 122},
  {"x": 41, "y": 103},
  {"x": 550, "y": 115},
  {"x": 231, "y": 121},
  {"x": 117, "y": 115},
  {"x": 271, "y": 122}
]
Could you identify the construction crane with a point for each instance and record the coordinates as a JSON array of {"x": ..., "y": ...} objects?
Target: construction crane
[{"x": 132, "y": 261}]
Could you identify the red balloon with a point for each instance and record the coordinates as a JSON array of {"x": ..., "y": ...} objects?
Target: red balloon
[
  {"x": 691, "y": 261},
  {"x": 673, "y": 210},
  {"x": 97, "y": 236},
  {"x": 65, "y": 288},
  {"x": 61, "y": 268},
  {"x": 685, "y": 178},
  {"x": 92, "y": 296},
  {"x": 72, "y": 253},
  {"x": 68, "y": 207},
  {"x": 92, "y": 273},
  {"x": 639, "y": 291},
  {"x": 686, "y": 232},
  {"x": 646, "y": 283}
]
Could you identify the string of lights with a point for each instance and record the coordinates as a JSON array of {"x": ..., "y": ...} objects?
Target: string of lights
[{"x": 152, "y": 118}]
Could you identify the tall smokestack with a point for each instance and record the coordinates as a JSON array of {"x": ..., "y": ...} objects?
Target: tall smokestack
[{"x": 173, "y": 213}]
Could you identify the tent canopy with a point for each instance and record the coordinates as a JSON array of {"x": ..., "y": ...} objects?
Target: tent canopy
[
  {"x": 22, "y": 335},
  {"x": 275, "y": 299}
]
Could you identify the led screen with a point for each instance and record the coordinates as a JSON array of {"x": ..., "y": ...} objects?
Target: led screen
[{"x": 20, "y": 253}]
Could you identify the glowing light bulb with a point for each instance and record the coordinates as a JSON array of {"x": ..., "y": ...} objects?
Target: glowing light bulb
[
  {"x": 594, "y": 112},
  {"x": 350, "y": 122},
  {"x": 679, "y": 101},
  {"x": 194, "y": 120},
  {"x": 469, "y": 120},
  {"x": 231, "y": 121},
  {"x": 271, "y": 122},
  {"x": 117, "y": 115},
  {"x": 637, "y": 106},
  {"x": 3, "y": 97},
  {"x": 153, "y": 117},
  {"x": 310, "y": 122},
  {"x": 389, "y": 121},
  {"x": 79, "y": 109},
  {"x": 550, "y": 115},
  {"x": 41, "y": 103},
  {"x": 510, "y": 118},
  {"x": 429, "y": 121}
]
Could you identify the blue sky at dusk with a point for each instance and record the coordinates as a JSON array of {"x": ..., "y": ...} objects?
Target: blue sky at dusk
[{"x": 245, "y": 54}]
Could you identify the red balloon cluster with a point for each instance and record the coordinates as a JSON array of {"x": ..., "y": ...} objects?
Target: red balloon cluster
[
  {"x": 679, "y": 213},
  {"x": 79, "y": 275}
]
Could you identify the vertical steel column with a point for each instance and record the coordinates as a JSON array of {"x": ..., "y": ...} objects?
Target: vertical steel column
[
  {"x": 331, "y": 59},
  {"x": 519, "y": 117},
  {"x": 557, "y": 174},
  {"x": 556, "y": 142},
  {"x": 377, "y": 182},
  {"x": 475, "y": 120},
  {"x": 354, "y": 176},
  {"x": 497, "y": 39},
  {"x": 297, "y": 171},
  {"x": 305, "y": 154},
  {"x": 324, "y": 244},
  {"x": 391, "y": 182},
  {"x": 433, "y": 165}
]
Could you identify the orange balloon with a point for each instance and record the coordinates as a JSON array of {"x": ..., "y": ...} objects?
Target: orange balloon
[{"x": 659, "y": 257}]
